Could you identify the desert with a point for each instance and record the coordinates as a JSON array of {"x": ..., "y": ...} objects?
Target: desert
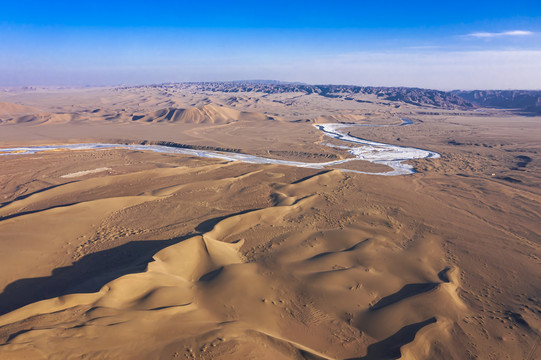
[{"x": 261, "y": 220}]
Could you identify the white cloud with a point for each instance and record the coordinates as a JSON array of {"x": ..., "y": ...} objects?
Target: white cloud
[{"x": 499, "y": 34}]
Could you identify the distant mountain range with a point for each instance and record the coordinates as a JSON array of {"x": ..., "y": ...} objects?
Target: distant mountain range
[
  {"x": 415, "y": 96},
  {"x": 527, "y": 102}
]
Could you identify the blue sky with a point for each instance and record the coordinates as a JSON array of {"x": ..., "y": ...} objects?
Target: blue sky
[{"x": 444, "y": 45}]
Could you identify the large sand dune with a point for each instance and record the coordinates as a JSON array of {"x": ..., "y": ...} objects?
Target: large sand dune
[
  {"x": 208, "y": 282},
  {"x": 125, "y": 254},
  {"x": 205, "y": 114},
  {"x": 7, "y": 108}
]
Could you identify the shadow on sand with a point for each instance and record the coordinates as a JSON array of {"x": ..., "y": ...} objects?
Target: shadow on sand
[
  {"x": 389, "y": 349},
  {"x": 86, "y": 275},
  {"x": 93, "y": 271},
  {"x": 407, "y": 291}
]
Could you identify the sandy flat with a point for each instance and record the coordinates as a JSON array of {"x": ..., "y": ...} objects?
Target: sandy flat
[{"x": 179, "y": 256}]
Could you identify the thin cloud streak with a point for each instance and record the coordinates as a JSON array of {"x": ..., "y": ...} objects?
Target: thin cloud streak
[{"x": 500, "y": 34}]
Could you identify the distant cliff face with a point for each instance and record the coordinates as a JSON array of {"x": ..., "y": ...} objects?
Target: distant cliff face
[{"x": 524, "y": 101}]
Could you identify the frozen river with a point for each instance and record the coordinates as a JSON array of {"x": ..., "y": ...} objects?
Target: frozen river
[{"x": 379, "y": 153}]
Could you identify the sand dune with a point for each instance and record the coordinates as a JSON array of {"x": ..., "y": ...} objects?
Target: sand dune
[
  {"x": 207, "y": 114},
  {"x": 211, "y": 114},
  {"x": 180, "y": 256},
  {"x": 209, "y": 283},
  {"x": 7, "y": 108},
  {"x": 42, "y": 118}
]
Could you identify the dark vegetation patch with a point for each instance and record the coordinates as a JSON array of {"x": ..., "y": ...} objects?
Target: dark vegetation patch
[
  {"x": 523, "y": 161},
  {"x": 177, "y": 145},
  {"x": 509, "y": 179},
  {"x": 302, "y": 154}
]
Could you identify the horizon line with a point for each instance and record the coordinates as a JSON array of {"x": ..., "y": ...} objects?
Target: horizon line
[{"x": 254, "y": 82}]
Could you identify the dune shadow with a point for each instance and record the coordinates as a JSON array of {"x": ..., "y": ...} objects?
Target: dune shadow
[
  {"x": 444, "y": 275},
  {"x": 86, "y": 275},
  {"x": 91, "y": 272},
  {"x": 211, "y": 275},
  {"x": 16, "y": 215},
  {"x": 310, "y": 177},
  {"x": 209, "y": 224},
  {"x": 389, "y": 349},
  {"x": 407, "y": 291},
  {"x": 523, "y": 161},
  {"x": 326, "y": 253},
  {"x": 22, "y": 197},
  {"x": 309, "y": 356}
]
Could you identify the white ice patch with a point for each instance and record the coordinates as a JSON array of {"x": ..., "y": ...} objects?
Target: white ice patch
[{"x": 85, "y": 172}]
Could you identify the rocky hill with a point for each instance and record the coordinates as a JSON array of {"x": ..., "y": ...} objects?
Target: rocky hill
[{"x": 523, "y": 101}]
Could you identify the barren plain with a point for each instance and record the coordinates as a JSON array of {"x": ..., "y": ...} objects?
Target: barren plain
[{"x": 132, "y": 254}]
